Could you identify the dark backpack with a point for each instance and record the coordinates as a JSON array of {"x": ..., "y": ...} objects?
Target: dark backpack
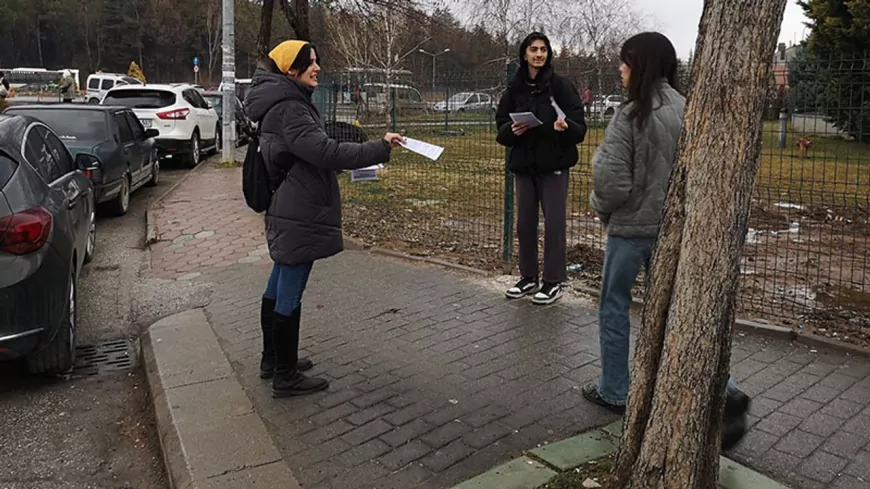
[{"x": 255, "y": 179}]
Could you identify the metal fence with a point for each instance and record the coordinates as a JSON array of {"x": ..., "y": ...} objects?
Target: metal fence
[{"x": 807, "y": 248}]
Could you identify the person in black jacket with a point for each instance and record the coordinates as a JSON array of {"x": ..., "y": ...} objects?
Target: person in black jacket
[
  {"x": 541, "y": 157},
  {"x": 303, "y": 223}
]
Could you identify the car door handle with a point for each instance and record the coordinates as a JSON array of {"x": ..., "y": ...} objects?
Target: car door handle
[{"x": 74, "y": 200}]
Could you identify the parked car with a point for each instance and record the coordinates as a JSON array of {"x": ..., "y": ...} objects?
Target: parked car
[
  {"x": 408, "y": 99},
  {"x": 466, "y": 102},
  {"x": 115, "y": 135},
  {"x": 100, "y": 83},
  {"x": 47, "y": 234},
  {"x": 188, "y": 126},
  {"x": 244, "y": 126},
  {"x": 605, "y": 107}
]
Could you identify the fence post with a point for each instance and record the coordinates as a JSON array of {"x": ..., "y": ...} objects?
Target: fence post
[
  {"x": 393, "y": 110},
  {"x": 783, "y": 128},
  {"x": 446, "y": 107},
  {"x": 508, "y": 225}
]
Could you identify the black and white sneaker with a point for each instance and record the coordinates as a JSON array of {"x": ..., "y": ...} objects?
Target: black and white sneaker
[
  {"x": 548, "y": 294},
  {"x": 523, "y": 288}
]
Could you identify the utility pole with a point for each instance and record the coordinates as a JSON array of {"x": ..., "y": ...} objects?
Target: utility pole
[
  {"x": 228, "y": 79},
  {"x": 434, "y": 56}
]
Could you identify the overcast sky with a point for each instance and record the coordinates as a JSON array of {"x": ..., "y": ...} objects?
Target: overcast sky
[{"x": 678, "y": 19}]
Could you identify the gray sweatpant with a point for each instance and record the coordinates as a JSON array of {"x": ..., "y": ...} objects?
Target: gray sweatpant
[{"x": 548, "y": 191}]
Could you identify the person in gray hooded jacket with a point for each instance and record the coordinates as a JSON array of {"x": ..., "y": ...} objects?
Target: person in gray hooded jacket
[
  {"x": 630, "y": 176},
  {"x": 303, "y": 222}
]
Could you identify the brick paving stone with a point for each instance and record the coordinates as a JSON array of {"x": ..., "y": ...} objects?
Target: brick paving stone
[
  {"x": 822, "y": 466},
  {"x": 443, "y": 435},
  {"x": 411, "y": 349},
  {"x": 845, "y": 444},
  {"x": 799, "y": 443},
  {"x": 404, "y": 455},
  {"x": 447, "y": 455}
]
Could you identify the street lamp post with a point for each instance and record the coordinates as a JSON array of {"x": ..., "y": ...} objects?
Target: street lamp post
[{"x": 434, "y": 57}]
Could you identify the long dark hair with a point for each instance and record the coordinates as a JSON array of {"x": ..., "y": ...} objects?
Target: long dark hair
[
  {"x": 651, "y": 57},
  {"x": 535, "y": 36}
]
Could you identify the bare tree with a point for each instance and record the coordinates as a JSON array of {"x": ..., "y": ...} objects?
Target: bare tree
[
  {"x": 213, "y": 34},
  {"x": 264, "y": 38},
  {"x": 672, "y": 428}
]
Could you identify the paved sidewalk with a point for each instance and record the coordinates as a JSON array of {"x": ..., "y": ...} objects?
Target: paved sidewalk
[{"x": 437, "y": 378}]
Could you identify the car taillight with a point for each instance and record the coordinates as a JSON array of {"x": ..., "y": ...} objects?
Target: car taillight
[
  {"x": 178, "y": 114},
  {"x": 25, "y": 232}
]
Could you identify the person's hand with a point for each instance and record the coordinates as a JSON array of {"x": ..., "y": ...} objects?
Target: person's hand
[
  {"x": 560, "y": 125},
  {"x": 394, "y": 139},
  {"x": 519, "y": 128}
]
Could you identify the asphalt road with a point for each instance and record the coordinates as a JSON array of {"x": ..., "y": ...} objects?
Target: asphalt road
[{"x": 91, "y": 431}]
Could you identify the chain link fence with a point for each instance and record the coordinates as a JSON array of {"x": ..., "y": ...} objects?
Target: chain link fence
[{"x": 807, "y": 250}]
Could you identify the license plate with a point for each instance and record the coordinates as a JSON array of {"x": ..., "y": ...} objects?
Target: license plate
[{"x": 146, "y": 123}]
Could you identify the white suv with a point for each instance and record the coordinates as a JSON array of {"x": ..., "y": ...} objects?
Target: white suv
[{"x": 187, "y": 125}]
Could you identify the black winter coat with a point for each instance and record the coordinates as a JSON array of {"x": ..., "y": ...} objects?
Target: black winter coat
[
  {"x": 303, "y": 223},
  {"x": 542, "y": 149}
]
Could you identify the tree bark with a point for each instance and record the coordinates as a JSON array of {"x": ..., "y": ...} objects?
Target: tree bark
[
  {"x": 672, "y": 427},
  {"x": 264, "y": 38}
]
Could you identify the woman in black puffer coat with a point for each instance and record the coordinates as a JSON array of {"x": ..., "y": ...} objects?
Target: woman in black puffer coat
[{"x": 303, "y": 223}]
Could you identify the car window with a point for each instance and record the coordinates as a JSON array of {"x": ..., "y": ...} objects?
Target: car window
[
  {"x": 200, "y": 102},
  {"x": 486, "y": 99},
  {"x": 415, "y": 96},
  {"x": 474, "y": 99},
  {"x": 38, "y": 153},
  {"x": 7, "y": 168},
  {"x": 70, "y": 123},
  {"x": 63, "y": 160},
  {"x": 107, "y": 84},
  {"x": 123, "y": 127},
  {"x": 136, "y": 126},
  {"x": 94, "y": 83},
  {"x": 140, "y": 98},
  {"x": 129, "y": 80}
]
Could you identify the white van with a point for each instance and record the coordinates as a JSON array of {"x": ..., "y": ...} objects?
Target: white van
[{"x": 100, "y": 83}]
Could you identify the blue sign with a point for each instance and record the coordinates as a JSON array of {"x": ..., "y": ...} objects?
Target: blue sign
[{"x": 196, "y": 61}]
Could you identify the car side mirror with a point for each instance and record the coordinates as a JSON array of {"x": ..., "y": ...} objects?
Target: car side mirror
[
  {"x": 151, "y": 133},
  {"x": 87, "y": 162}
]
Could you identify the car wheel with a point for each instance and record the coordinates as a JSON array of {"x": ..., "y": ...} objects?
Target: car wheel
[
  {"x": 94, "y": 101},
  {"x": 121, "y": 203},
  {"x": 218, "y": 139},
  {"x": 155, "y": 172},
  {"x": 91, "y": 246},
  {"x": 193, "y": 158},
  {"x": 58, "y": 357}
]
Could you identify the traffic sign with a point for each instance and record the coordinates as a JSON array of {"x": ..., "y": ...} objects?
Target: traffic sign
[
  {"x": 196, "y": 69},
  {"x": 196, "y": 61}
]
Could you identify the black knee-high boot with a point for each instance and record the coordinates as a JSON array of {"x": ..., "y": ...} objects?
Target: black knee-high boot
[
  {"x": 267, "y": 361},
  {"x": 288, "y": 380}
]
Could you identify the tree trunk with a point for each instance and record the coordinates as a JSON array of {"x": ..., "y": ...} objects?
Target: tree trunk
[
  {"x": 672, "y": 427},
  {"x": 264, "y": 38}
]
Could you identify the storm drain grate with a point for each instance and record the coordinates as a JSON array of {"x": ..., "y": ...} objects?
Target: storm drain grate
[{"x": 107, "y": 357}]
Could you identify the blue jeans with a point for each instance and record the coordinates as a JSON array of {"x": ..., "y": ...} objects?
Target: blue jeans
[
  {"x": 286, "y": 285},
  {"x": 623, "y": 259}
]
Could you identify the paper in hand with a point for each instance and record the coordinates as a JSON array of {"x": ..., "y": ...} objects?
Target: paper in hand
[
  {"x": 559, "y": 113},
  {"x": 526, "y": 118},
  {"x": 428, "y": 150}
]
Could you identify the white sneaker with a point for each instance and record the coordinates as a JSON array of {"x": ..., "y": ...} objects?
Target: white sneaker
[
  {"x": 548, "y": 294},
  {"x": 523, "y": 288}
]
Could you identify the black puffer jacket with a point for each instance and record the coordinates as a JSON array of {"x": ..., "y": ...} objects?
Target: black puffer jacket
[
  {"x": 303, "y": 223},
  {"x": 542, "y": 149}
]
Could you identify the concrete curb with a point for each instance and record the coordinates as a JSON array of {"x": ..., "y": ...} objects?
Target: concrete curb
[
  {"x": 357, "y": 244},
  {"x": 542, "y": 464},
  {"x": 151, "y": 231},
  {"x": 210, "y": 435}
]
